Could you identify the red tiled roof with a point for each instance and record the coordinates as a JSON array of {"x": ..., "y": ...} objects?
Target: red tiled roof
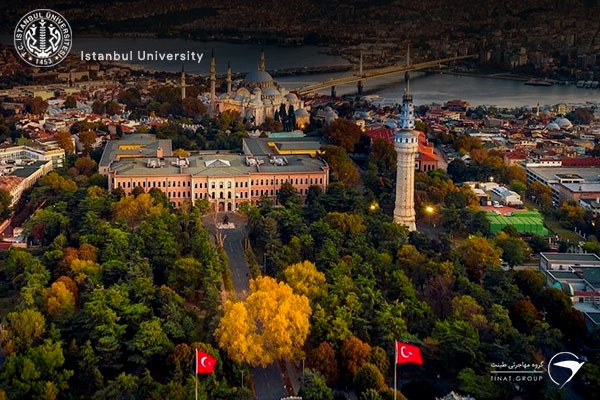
[
  {"x": 9, "y": 182},
  {"x": 381, "y": 133},
  {"x": 423, "y": 156},
  {"x": 581, "y": 162},
  {"x": 516, "y": 154},
  {"x": 586, "y": 294},
  {"x": 426, "y": 152}
]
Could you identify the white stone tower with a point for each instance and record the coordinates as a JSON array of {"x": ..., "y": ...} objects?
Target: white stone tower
[{"x": 406, "y": 143}]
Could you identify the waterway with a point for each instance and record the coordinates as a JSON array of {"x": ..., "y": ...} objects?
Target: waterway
[{"x": 426, "y": 89}]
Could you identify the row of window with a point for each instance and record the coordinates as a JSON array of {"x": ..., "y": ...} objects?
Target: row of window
[
  {"x": 298, "y": 181},
  {"x": 165, "y": 184}
]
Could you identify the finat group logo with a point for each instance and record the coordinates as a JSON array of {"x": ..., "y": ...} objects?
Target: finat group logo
[
  {"x": 563, "y": 367},
  {"x": 43, "y": 38}
]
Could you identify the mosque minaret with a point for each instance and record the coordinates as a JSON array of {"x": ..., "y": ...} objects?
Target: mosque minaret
[
  {"x": 228, "y": 80},
  {"x": 257, "y": 97},
  {"x": 406, "y": 144},
  {"x": 213, "y": 82},
  {"x": 183, "y": 85}
]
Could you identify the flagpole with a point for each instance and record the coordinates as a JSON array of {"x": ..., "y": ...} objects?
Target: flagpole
[
  {"x": 395, "y": 365},
  {"x": 196, "y": 373}
]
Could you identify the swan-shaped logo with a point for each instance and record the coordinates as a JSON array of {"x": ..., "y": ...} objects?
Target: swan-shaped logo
[{"x": 567, "y": 361}]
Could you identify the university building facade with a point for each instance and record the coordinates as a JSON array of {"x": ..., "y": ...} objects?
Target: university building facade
[{"x": 226, "y": 180}]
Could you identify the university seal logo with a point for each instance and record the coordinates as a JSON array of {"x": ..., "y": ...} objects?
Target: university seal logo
[{"x": 43, "y": 38}]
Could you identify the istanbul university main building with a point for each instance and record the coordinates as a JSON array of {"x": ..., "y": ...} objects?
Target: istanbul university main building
[{"x": 225, "y": 179}]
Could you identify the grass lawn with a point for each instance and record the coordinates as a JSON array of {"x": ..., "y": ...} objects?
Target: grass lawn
[
  {"x": 563, "y": 233},
  {"x": 554, "y": 225}
]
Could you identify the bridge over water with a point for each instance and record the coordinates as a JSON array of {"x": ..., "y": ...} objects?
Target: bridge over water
[{"x": 361, "y": 76}]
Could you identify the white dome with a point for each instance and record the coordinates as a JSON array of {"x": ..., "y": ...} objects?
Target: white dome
[
  {"x": 243, "y": 92},
  {"x": 291, "y": 97},
  {"x": 301, "y": 112},
  {"x": 331, "y": 116},
  {"x": 258, "y": 77},
  {"x": 553, "y": 126},
  {"x": 257, "y": 91},
  {"x": 271, "y": 92},
  {"x": 563, "y": 123}
]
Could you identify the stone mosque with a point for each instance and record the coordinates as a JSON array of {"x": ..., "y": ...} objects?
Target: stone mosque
[{"x": 258, "y": 96}]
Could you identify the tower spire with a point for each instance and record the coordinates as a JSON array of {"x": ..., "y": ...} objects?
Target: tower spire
[
  {"x": 261, "y": 61},
  {"x": 228, "y": 79},
  {"x": 406, "y": 144},
  {"x": 183, "y": 85}
]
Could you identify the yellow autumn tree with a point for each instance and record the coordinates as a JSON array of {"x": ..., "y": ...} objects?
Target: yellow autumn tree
[
  {"x": 81, "y": 269},
  {"x": 478, "y": 254},
  {"x": 270, "y": 324},
  {"x": 60, "y": 301},
  {"x": 21, "y": 330},
  {"x": 181, "y": 153},
  {"x": 134, "y": 210},
  {"x": 305, "y": 280},
  {"x": 347, "y": 223}
]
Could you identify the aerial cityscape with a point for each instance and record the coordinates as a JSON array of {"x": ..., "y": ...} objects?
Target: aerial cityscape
[{"x": 306, "y": 200}]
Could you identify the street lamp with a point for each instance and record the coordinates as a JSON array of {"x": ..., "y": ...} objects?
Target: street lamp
[
  {"x": 429, "y": 210},
  {"x": 374, "y": 206}
]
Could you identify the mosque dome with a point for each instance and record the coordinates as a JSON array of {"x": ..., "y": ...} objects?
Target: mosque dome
[
  {"x": 553, "y": 126},
  {"x": 271, "y": 92},
  {"x": 330, "y": 116},
  {"x": 563, "y": 123},
  {"x": 257, "y": 91},
  {"x": 257, "y": 78},
  {"x": 243, "y": 92},
  {"x": 291, "y": 97},
  {"x": 301, "y": 112}
]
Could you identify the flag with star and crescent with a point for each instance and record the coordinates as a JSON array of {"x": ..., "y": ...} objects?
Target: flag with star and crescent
[
  {"x": 205, "y": 363},
  {"x": 408, "y": 354}
]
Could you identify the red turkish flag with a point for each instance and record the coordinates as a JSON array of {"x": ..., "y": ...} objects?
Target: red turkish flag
[
  {"x": 205, "y": 363},
  {"x": 408, "y": 354}
]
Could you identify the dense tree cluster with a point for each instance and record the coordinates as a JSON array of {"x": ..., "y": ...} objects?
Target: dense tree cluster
[
  {"x": 370, "y": 283},
  {"x": 114, "y": 302}
]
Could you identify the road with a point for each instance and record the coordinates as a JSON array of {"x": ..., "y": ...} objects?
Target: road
[
  {"x": 268, "y": 382},
  {"x": 443, "y": 164}
]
